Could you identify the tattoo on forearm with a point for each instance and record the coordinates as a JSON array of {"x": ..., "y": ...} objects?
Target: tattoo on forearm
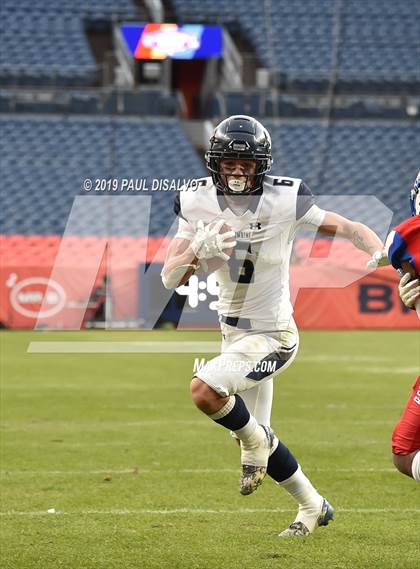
[{"x": 359, "y": 242}]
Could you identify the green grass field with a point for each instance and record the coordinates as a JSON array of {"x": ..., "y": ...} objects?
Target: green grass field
[{"x": 140, "y": 479}]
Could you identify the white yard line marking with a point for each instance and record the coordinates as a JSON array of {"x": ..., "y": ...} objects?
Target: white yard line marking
[
  {"x": 165, "y": 347},
  {"x": 168, "y": 347},
  {"x": 64, "y": 444},
  {"x": 170, "y": 471},
  {"x": 327, "y": 358},
  {"x": 367, "y": 370},
  {"x": 57, "y": 445},
  {"x": 78, "y": 472},
  {"x": 189, "y": 511},
  {"x": 117, "y": 386},
  {"x": 78, "y": 426}
]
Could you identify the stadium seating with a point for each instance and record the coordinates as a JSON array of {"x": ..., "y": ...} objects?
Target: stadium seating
[
  {"x": 350, "y": 158},
  {"x": 142, "y": 102},
  {"x": 271, "y": 103},
  {"x": 44, "y": 163},
  {"x": 45, "y": 49},
  {"x": 82, "y": 8},
  {"x": 378, "y": 47},
  {"x": 45, "y": 42}
]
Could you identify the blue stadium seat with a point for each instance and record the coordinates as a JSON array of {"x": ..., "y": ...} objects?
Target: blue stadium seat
[
  {"x": 82, "y": 8},
  {"x": 369, "y": 157},
  {"x": 44, "y": 42},
  {"x": 5, "y": 102},
  {"x": 38, "y": 51},
  {"x": 378, "y": 45},
  {"x": 45, "y": 160}
]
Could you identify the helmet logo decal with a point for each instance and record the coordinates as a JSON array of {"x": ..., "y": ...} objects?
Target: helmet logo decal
[{"x": 239, "y": 146}]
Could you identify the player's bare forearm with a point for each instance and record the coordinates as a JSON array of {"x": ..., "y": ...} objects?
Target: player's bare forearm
[
  {"x": 179, "y": 253},
  {"x": 364, "y": 238},
  {"x": 358, "y": 233},
  {"x": 179, "y": 264}
]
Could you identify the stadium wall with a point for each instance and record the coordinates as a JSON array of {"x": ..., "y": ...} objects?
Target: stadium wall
[{"x": 73, "y": 297}]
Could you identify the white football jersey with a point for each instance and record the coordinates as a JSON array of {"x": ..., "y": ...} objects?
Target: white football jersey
[{"x": 254, "y": 283}]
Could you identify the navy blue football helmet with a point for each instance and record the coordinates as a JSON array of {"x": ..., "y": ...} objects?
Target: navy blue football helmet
[
  {"x": 415, "y": 197},
  {"x": 240, "y": 137}
]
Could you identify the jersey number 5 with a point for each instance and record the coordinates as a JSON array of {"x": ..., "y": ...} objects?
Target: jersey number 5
[{"x": 241, "y": 268}]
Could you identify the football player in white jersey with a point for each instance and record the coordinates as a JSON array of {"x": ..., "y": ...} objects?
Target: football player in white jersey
[{"x": 260, "y": 215}]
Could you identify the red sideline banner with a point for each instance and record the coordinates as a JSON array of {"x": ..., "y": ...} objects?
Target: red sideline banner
[
  {"x": 370, "y": 303},
  {"x": 55, "y": 283},
  {"x": 37, "y": 290},
  {"x": 28, "y": 294}
]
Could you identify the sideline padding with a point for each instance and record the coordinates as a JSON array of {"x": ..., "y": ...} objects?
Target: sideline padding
[{"x": 370, "y": 301}]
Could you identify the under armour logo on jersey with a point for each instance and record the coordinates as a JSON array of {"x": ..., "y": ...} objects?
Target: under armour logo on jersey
[{"x": 256, "y": 225}]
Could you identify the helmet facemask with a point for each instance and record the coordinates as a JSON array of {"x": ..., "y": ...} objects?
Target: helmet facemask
[{"x": 239, "y": 138}]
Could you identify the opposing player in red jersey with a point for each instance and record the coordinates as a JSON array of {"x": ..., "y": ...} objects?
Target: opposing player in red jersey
[{"x": 403, "y": 250}]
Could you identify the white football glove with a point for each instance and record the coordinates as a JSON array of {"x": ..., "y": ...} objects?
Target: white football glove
[
  {"x": 209, "y": 243},
  {"x": 379, "y": 259},
  {"x": 409, "y": 290}
]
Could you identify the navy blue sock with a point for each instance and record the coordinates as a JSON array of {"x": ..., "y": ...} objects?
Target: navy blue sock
[
  {"x": 281, "y": 464},
  {"x": 237, "y": 417}
]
